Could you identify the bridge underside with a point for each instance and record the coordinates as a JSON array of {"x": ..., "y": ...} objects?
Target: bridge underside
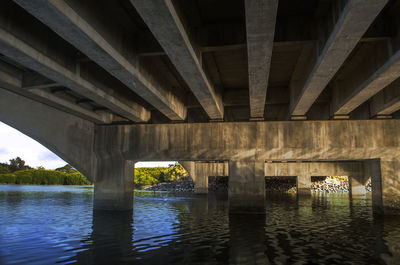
[
  {"x": 245, "y": 82},
  {"x": 106, "y": 154}
]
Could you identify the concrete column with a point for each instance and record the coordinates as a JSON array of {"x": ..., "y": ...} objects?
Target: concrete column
[
  {"x": 246, "y": 186},
  {"x": 357, "y": 186},
  {"x": 113, "y": 188},
  {"x": 201, "y": 178},
  {"x": 303, "y": 185},
  {"x": 385, "y": 176}
]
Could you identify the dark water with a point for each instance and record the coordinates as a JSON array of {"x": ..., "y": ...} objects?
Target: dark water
[{"x": 56, "y": 224}]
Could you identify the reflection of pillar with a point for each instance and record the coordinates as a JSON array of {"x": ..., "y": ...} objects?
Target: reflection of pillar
[
  {"x": 357, "y": 186},
  {"x": 247, "y": 239},
  {"x": 113, "y": 187},
  {"x": 111, "y": 238},
  {"x": 246, "y": 186},
  {"x": 385, "y": 178},
  {"x": 303, "y": 185}
]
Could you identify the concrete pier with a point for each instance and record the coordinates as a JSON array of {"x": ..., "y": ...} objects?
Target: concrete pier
[
  {"x": 304, "y": 185},
  {"x": 385, "y": 186},
  {"x": 357, "y": 185},
  {"x": 246, "y": 186},
  {"x": 113, "y": 189}
]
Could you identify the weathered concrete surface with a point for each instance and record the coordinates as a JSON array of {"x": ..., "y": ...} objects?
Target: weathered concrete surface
[
  {"x": 386, "y": 101},
  {"x": 348, "y": 98},
  {"x": 352, "y": 23},
  {"x": 303, "y": 185},
  {"x": 357, "y": 186},
  {"x": 33, "y": 52},
  {"x": 74, "y": 28},
  {"x": 200, "y": 171},
  {"x": 113, "y": 188},
  {"x": 246, "y": 186},
  {"x": 28, "y": 84},
  {"x": 300, "y": 140},
  {"x": 165, "y": 24},
  {"x": 305, "y": 170},
  {"x": 315, "y": 169},
  {"x": 385, "y": 176},
  {"x": 68, "y": 136},
  {"x": 260, "y": 30}
]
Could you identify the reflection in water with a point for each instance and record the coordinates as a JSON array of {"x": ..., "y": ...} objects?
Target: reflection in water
[{"x": 48, "y": 225}]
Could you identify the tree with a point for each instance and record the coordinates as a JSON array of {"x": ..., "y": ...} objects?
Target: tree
[
  {"x": 67, "y": 169},
  {"x": 4, "y": 168},
  {"x": 18, "y": 164}
]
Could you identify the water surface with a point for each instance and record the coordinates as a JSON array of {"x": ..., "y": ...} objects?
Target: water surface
[{"x": 56, "y": 225}]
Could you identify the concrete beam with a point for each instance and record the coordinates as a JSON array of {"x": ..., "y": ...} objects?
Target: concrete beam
[
  {"x": 301, "y": 140},
  {"x": 354, "y": 96},
  {"x": 98, "y": 118},
  {"x": 260, "y": 30},
  {"x": 387, "y": 101},
  {"x": 315, "y": 169},
  {"x": 12, "y": 79},
  {"x": 165, "y": 24},
  {"x": 19, "y": 50},
  {"x": 32, "y": 80},
  {"x": 353, "y": 22},
  {"x": 73, "y": 27}
]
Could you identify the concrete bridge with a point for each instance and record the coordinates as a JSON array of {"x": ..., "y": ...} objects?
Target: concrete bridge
[{"x": 245, "y": 82}]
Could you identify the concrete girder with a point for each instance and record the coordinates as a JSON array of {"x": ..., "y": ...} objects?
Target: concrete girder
[
  {"x": 353, "y": 22},
  {"x": 260, "y": 30},
  {"x": 22, "y": 52},
  {"x": 71, "y": 26},
  {"x": 385, "y": 74},
  {"x": 165, "y": 24},
  {"x": 12, "y": 79},
  {"x": 387, "y": 101}
]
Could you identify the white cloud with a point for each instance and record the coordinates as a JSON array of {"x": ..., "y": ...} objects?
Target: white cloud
[{"x": 14, "y": 143}]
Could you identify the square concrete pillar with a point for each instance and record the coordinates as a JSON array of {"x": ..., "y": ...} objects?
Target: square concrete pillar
[
  {"x": 385, "y": 178},
  {"x": 113, "y": 186},
  {"x": 304, "y": 185},
  {"x": 246, "y": 186},
  {"x": 201, "y": 180},
  {"x": 357, "y": 185}
]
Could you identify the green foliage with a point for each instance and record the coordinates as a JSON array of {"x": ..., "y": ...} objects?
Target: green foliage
[
  {"x": 43, "y": 177},
  {"x": 4, "y": 168},
  {"x": 75, "y": 179},
  {"x": 7, "y": 178},
  {"x": 153, "y": 175}
]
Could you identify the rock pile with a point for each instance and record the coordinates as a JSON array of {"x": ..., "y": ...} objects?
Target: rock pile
[
  {"x": 176, "y": 186},
  {"x": 330, "y": 185}
]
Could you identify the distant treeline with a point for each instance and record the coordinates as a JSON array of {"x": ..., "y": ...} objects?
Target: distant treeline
[
  {"x": 16, "y": 172},
  {"x": 153, "y": 175}
]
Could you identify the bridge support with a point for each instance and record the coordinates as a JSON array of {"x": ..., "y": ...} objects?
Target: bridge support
[
  {"x": 201, "y": 178},
  {"x": 246, "y": 186},
  {"x": 385, "y": 177},
  {"x": 357, "y": 186},
  {"x": 303, "y": 185},
  {"x": 113, "y": 189}
]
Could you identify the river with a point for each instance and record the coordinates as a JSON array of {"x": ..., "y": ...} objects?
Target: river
[{"x": 56, "y": 225}]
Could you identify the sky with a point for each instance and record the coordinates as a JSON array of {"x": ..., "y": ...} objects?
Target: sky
[{"x": 14, "y": 143}]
